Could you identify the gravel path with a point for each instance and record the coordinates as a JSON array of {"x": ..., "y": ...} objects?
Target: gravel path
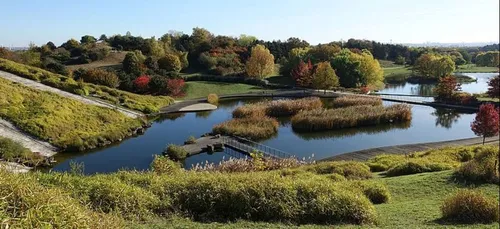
[
  {"x": 42, "y": 87},
  {"x": 8, "y": 130}
]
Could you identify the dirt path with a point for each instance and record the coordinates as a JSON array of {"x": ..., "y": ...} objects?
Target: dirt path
[
  {"x": 366, "y": 154},
  {"x": 42, "y": 87}
]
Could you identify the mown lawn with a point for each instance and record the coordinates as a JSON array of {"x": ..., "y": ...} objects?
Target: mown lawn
[
  {"x": 201, "y": 89},
  {"x": 415, "y": 203},
  {"x": 469, "y": 68}
]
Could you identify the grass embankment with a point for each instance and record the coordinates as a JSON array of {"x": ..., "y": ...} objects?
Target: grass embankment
[
  {"x": 201, "y": 89},
  {"x": 144, "y": 103},
  {"x": 397, "y": 74},
  {"x": 277, "y": 108},
  {"x": 66, "y": 123},
  {"x": 329, "y": 119},
  {"x": 11, "y": 151},
  {"x": 242, "y": 195},
  {"x": 255, "y": 128},
  {"x": 472, "y": 68}
]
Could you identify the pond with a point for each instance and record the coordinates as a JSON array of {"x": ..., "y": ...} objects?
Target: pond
[
  {"x": 428, "y": 124},
  {"x": 427, "y": 89}
]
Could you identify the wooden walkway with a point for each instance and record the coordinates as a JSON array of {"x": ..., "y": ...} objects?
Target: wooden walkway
[{"x": 366, "y": 154}]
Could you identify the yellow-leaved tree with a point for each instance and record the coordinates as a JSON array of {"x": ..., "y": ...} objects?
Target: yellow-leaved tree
[
  {"x": 324, "y": 77},
  {"x": 261, "y": 62},
  {"x": 369, "y": 67}
]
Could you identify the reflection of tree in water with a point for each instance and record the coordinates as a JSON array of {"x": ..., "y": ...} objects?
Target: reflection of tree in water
[
  {"x": 423, "y": 90},
  {"x": 446, "y": 117},
  {"x": 203, "y": 114},
  {"x": 163, "y": 117},
  {"x": 348, "y": 132}
]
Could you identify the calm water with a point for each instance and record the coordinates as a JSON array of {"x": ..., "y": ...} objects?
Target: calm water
[
  {"x": 428, "y": 124},
  {"x": 480, "y": 86}
]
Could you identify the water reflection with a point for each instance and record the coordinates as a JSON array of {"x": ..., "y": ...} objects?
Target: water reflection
[
  {"x": 203, "y": 114},
  {"x": 446, "y": 117},
  {"x": 344, "y": 133}
]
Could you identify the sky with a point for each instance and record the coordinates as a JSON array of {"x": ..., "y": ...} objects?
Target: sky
[{"x": 316, "y": 21}]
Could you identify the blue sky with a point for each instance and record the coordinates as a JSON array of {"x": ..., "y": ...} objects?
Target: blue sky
[{"x": 317, "y": 21}]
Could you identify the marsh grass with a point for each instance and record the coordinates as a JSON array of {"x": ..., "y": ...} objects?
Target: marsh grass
[
  {"x": 483, "y": 168},
  {"x": 213, "y": 99},
  {"x": 68, "y": 124},
  {"x": 12, "y": 151},
  {"x": 144, "y": 103},
  {"x": 468, "y": 206},
  {"x": 253, "y": 128},
  {"x": 175, "y": 152},
  {"x": 347, "y": 101},
  {"x": 329, "y": 119},
  {"x": 277, "y": 108}
]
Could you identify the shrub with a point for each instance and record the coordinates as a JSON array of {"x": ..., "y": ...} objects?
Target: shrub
[
  {"x": 468, "y": 206},
  {"x": 102, "y": 77},
  {"x": 170, "y": 62},
  {"x": 14, "y": 152},
  {"x": 248, "y": 165},
  {"x": 163, "y": 165},
  {"x": 253, "y": 128},
  {"x": 141, "y": 83},
  {"x": 319, "y": 119},
  {"x": 158, "y": 84},
  {"x": 175, "y": 87},
  {"x": 347, "y": 101},
  {"x": 484, "y": 168},
  {"x": 348, "y": 169},
  {"x": 377, "y": 192},
  {"x": 175, "y": 152},
  {"x": 277, "y": 108},
  {"x": 416, "y": 167},
  {"x": 190, "y": 140},
  {"x": 213, "y": 98}
]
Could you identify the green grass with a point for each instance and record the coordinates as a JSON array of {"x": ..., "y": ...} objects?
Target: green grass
[
  {"x": 145, "y": 103},
  {"x": 12, "y": 151},
  {"x": 472, "y": 68},
  {"x": 388, "y": 64},
  {"x": 64, "y": 122},
  {"x": 201, "y": 89}
]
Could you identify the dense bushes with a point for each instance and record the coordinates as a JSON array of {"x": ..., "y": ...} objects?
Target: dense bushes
[
  {"x": 14, "y": 152},
  {"x": 212, "y": 98},
  {"x": 468, "y": 206},
  {"x": 484, "y": 168},
  {"x": 349, "y": 170},
  {"x": 101, "y": 77},
  {"x": 146, "y": 104},
  {"x": 64, "y": 122},
  {"x": 252, "y": 128},
  {"x": 163, "y": 165},
  {"x": 319, "y": 119},
  {"x": 175, "y": 152},
  {"x": 277, "y": 108},
  {"x": 347, "y": 101},
  {"x": 408, "y": 168}
]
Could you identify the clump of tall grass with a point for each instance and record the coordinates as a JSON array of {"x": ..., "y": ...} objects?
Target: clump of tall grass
[
  {"x": 468, "y": 206},
  {"x": 213, "y": 98},
  {"x": 249, "y": 165},
  {"x": 12, "y": 151},
  {"x": 175, "y": 152},
  {"x": 163, "y": 165},
  {"x": 252, "y": 128},
  {"x": 328, "y": 119},
  {"x": 483, "y": 168},
  {"x": 349, "y": 169},
  {"x": 277, "y": 108},
  {"x": 348, "y": 101}
]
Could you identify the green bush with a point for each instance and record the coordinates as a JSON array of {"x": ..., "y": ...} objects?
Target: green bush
[
  {"x": 484, "y": 168},
  {"x": 408, "y": 168},
  {"x": 101, "y": 77},
  {"x": 163, "y": 165},
  {"x": 347, "y": 101},
  {"x": 377, "y": 192},
  {"x": 319, "y": 119},
  {"x": 468, "y": 206},
  {"x": 175, "y": 152},
  {"x": 252, "y": 128},
  {"x": 349, "y": 169},
  {"x": 14, "y": 152}
]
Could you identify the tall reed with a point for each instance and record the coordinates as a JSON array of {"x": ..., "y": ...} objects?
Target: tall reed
[
  {"x": 277, "y": 108},
  {"x": 252, "y": 128},
  {"x": 347, "y": 101}
]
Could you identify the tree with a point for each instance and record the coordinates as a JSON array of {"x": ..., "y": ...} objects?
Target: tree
[
  {"x": 141, "y": 84},
  {"x": 494, "y": 87},
  {"x": 87, "y": 39},
  {"x": 322, "y": 53},
  {"x": 131, "y": 64},
  {"x": 446, "y": 87},
  {"x": 400, "y": 60},
  {"x": 103, "y": 37},
  {"x": 434, "y": 65},
  {"x": 486, "y": 122},
  {"x": 51, "y": 45},
  {"x": 151, "y": 62},
  {"x": 369, "y": 68},
  {"x": 101, "y": 77},
  {"x": 70, "y": 44},
  {"x": 260, "y": 63},
  {"x": 246, "y": 40},
  {"x": 347, "y": 69},
  {"x": 302, "y": 74},
  {"x": 324, "y": 77},
  {"x": 158, "y": 84},
  {"x": 170, "y": 62},
  {"x": 153, "y": 48},
  {"x": 490, "y": 59},
  {"x": 175, "y": 86}
]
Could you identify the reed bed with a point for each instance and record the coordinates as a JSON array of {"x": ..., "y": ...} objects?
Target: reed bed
[
  {"x": 348, "y": 101},
  {"x": 277, "y": 108},
  {"x": 329, "y": 119},
  {"x": 252, "y": 128}
]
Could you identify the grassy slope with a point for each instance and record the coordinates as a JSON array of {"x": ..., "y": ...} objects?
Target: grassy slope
[
  {"x": 475, "y": 69},
  {"x": 62, "y": 121},
  {"x": 415, "y": 204},
  {"x": 199, "y": 89},
  {"x": 114, "y": 59}
]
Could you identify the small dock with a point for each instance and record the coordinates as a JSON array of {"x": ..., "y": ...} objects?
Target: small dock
[{"x": 237, "y": 144}]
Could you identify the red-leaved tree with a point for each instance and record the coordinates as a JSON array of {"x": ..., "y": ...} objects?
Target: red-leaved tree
[
  {"x": 446, "y": 87},
  {"x": 142, "y": 83},
  {"x": 486, "y": 122},
  {"x": 175, "y": 86},
  {"x": 302, "y": 74},
  {"x": 494, "y": 87}
]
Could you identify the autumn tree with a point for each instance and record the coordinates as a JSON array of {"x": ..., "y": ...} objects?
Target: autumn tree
[
  {"x": 369, "y": 68},
  {"x": 490, "y": 59},
  {"x": 324, "y": 77},
  {"x": 302, "y": 74},
  {"x": 494, "y": 87},
  {"x": 175, "y": 86},
  {"x": 141, "y": 83},
  {"x": 486, "y": 122},
  {"x": 260, "y": 63},
  {"x": 170, "y": 62},
  {"x": 446, "y": 87},
  {"x": 432, "y": 65}
]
